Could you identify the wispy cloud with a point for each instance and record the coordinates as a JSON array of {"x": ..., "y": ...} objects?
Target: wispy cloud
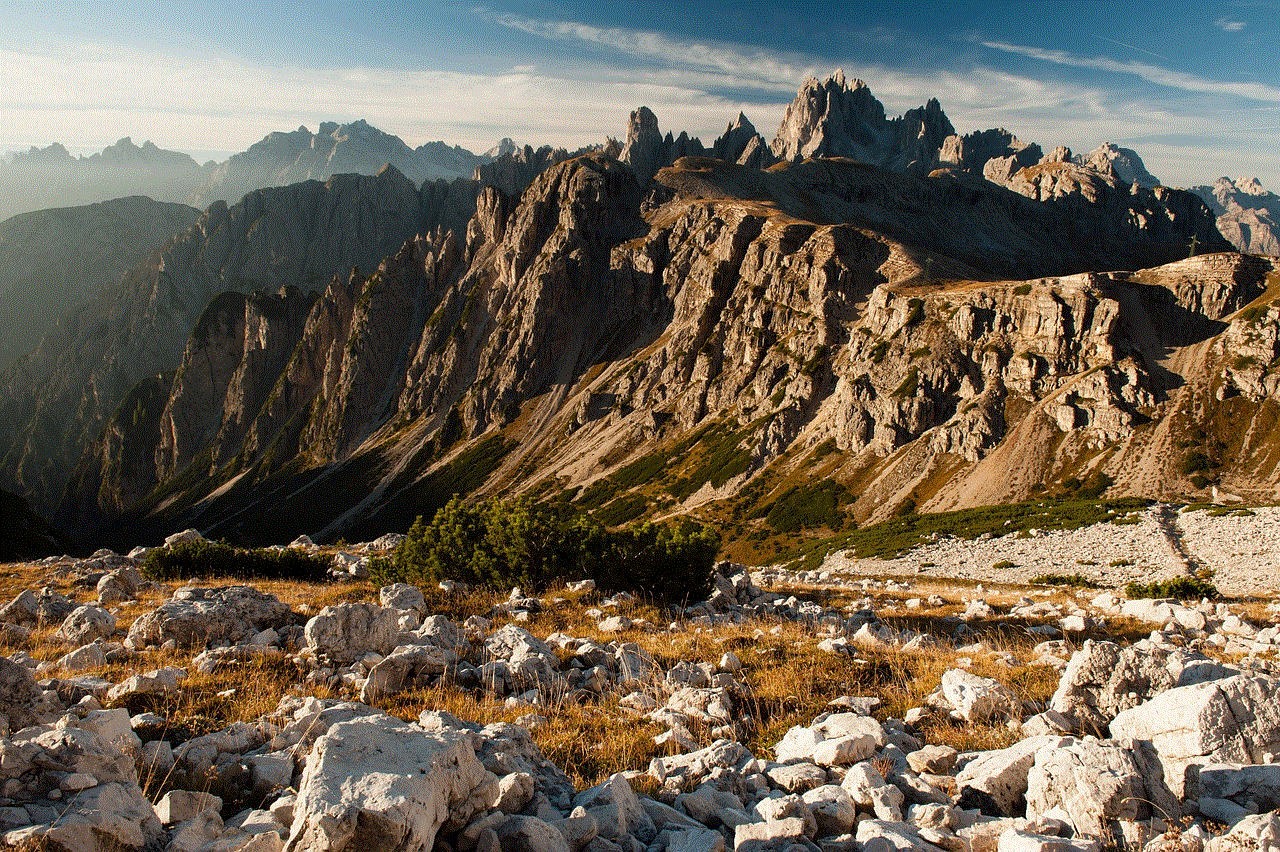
[
  {"x": 1228, "y": 25},
  {"x": 1151, "y": 73}
]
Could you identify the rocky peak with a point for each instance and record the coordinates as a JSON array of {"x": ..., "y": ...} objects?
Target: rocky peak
[
  {"x": 995, "y": 154},
  {"x": 505, "y": 146},
  {"x": 644, "y": 149},
  {"x": 836, "y": 118},
  {"x": 1125, "y": 162},
  {"x": 743, "y": 144},
  {"x": 831, "y": 118}
]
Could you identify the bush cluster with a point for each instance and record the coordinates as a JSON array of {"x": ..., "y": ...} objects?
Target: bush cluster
[
  {"x": 1075, "y": 581},
  {"x": 205, "y": 559},
  {"x": 501, "y": 544},
  {"x": 1179, "y": 588}
]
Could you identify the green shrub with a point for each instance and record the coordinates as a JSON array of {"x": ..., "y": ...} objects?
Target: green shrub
[
  {"x": 1003, "y": 564},
  {"x": 1180, "y": 588},
  {"x": 206, "y": 559},
  {"x": 1075, "y": 581},
  {"x": 1022, "y": 290},
  {"x": 501, "y": 544},
  {"x": 808, "y": 506},
  {"x": 1196, "y": 462},
  {"x": 623, "y": 510}
]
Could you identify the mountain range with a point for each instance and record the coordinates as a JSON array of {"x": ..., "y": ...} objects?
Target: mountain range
[
  {"x": 46, "y": 177},
  {"x": 873, "y": 313}
]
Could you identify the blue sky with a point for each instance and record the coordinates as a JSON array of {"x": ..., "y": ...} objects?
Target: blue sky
[{"x": 1194, "y": 88}]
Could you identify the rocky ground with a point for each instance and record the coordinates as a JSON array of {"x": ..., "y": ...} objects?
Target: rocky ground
[
  {"x": 812, "y": 711},
  {"x": 1238, "y": 545}
]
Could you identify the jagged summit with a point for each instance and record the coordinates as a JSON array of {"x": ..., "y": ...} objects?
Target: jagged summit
[{"x": 1124, "y": 162}]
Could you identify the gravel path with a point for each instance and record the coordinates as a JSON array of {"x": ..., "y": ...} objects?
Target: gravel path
[{"x": 1243, "y": 552}]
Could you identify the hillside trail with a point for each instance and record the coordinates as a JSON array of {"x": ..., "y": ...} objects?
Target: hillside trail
[{"x": 1166, "y": 517}]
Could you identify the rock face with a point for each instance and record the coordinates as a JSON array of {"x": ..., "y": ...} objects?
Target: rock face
[
  {"x": 52, "y": 262},
  {"x": 1248, "y": 215},
  {"x": 808, "y": 329}
]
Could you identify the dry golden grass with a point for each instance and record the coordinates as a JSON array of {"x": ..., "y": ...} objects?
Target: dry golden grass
[{"x": 786, "y": 680}]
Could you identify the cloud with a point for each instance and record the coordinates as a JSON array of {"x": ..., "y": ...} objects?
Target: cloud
[
  {"x": 1151, "y": 73},
  {"x": 1229, "y": 26},
  {"x": 87, "y": 96}
]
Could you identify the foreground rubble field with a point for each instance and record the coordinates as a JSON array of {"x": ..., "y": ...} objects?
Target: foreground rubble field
[{"x": 812, "y": 711}]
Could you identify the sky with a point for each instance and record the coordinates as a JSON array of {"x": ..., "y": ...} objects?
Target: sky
[{"x": 1193, "y": 87}]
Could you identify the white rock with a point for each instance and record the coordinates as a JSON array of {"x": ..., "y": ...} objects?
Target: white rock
[
  {"x": 346, "y": 632},
  {"x": 377, "y": 784},
  {"x": 979, "y": 699},
  {"x": 87, "y": 624},
  {"x": 1102, "y": 789},
  {"x": 1235, "y": 720},
  {"x": 1026, "y": 841},
  {"x": 995, "y": 781}
]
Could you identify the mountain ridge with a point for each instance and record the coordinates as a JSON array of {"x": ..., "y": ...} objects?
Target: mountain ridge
[{"x": 475, "y": 351}]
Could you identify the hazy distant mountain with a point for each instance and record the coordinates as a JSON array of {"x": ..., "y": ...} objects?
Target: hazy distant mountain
[
  {"x": 42, "y": 178},
  {"x": 54, "y": 261},
  {"x": 284, "y": 158},
  {"x": 1248, "y": 215}
]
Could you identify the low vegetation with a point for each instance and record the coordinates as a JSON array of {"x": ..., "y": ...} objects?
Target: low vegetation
[
  {"x": 1178, "y": 588},
  {"x": 1071, "y": 581},
  {"x": 208, "y": 560},
  {"x": 500, "y": 544}
]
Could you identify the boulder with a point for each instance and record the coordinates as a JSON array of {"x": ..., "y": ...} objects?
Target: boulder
[
  {"x": 1014, "y": 840},
  {"x": 86, "y": 624},
  {"x": 203, "y": 616},
  {"x": 977, "y": 699},
  {"x": 22, "y": 702},
  {"x": 403, "y": 596},
  {"x": 995, "y": 782},
  {"x": 1253, "y": 833},
  {"x": 529, "y": 834},
  {"x": 1103, "y": 678},
  {"x": 1256, "y": 788},
  {"x": 833, "y": 808},
  {"x": 1101, "y": 788},
  {"x": 1234, "y": 720},
  {"x": 113, "y": 815},
  {"x": 616, "y": 810},
  {"x": 187, "y": 536},
  {"x": 346, "y": 632},
  {"x": 403, "y": 667},
  {"x": 377, "y": 784},
  {"x": 181, "y": 805},
  {"x": 37, "y": 610}
]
